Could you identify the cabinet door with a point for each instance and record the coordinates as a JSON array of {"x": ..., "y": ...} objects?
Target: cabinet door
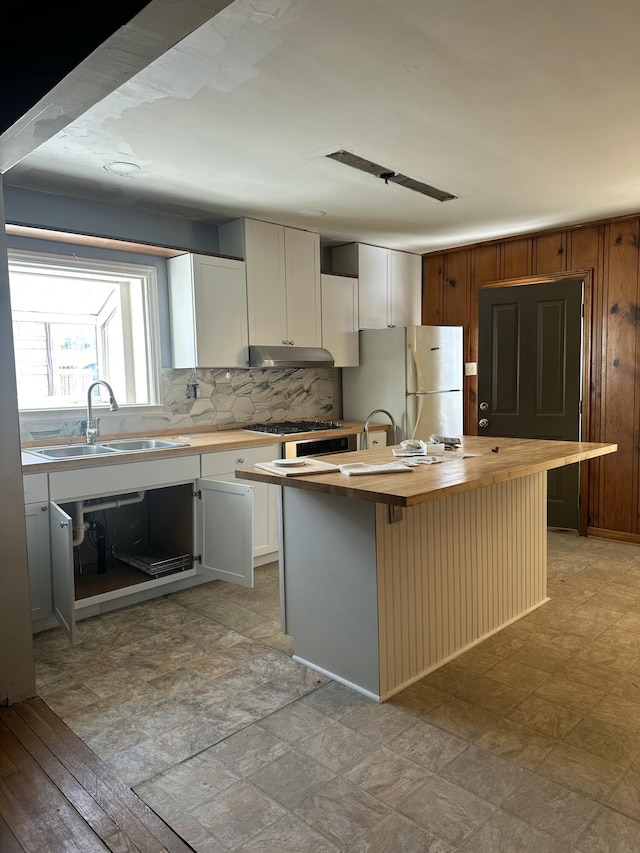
[
  {"x": 405, "y": 289},
  {"x": 209, "y": 326},
  {"x": 222, "y": 466},
  {"x": 224, "y": 531},
  {"x": 302, "y": 271},
  {"x": 372, "y": 287},
  {"x": 62, "y": 570},
  {"x": 264, "y": 247},
  {"x": 39, "y": 558},
  {"x": 220, "y": 291},
  {"x": 340, "y": 318},
  {"x": 265, "y": 515}
]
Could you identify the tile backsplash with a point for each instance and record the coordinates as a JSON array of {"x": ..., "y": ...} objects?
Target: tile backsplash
[{"x": 224, "y": 398}]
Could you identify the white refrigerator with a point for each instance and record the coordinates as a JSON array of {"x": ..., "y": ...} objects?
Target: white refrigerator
[{"x": 415, "y": 373}]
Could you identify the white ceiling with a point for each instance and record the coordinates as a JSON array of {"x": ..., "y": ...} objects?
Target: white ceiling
[{"x": 527, "y": 110}]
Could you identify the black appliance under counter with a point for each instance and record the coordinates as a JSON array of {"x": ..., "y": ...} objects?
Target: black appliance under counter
[
  {"x": 293, "y": 427},
  {"x": 316, "y": 446}
]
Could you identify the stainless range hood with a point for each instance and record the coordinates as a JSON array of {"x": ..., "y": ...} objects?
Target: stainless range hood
[{"x": 272, "y": 356}]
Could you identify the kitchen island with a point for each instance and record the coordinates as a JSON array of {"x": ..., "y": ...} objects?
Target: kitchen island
[{"x": 385, "y": 577}]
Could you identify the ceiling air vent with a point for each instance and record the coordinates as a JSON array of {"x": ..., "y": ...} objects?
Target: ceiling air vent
[{"x": 387, "y": 175}]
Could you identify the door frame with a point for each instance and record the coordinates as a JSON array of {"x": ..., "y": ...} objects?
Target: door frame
[{"x": 587, "y": 361}]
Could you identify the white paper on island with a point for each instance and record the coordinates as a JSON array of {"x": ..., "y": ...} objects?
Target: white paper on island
[
  {"x": 308, "y": 465},
  {"x": 354, "y": 468}
]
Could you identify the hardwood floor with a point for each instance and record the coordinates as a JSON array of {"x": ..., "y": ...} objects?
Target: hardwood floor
[{"x": 57, "y": 795}]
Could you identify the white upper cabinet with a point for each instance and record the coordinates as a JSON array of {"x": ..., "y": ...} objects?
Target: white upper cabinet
[
  {"x": 371, "y": 265},
  {"x": 389, "y": 284},
  {"x": 208, "y": 298},
  {"x": 283, "y": 281},
  {"x": 340, "y": 318},
  {"x": 266, "y": 286},
  {"x": 302, "y": 276},
  {"x": 405, "y": 289}
]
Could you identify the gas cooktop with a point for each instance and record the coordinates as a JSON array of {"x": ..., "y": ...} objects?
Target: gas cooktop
[{"x": 291, "y": 427}]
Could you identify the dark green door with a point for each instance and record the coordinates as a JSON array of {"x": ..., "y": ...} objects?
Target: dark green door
[{"x": 529, "y": 374}]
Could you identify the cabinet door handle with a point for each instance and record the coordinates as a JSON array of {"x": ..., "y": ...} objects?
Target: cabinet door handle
[
  {"x": 240, "y": 460},
  {"x": 64, "y": 524}
]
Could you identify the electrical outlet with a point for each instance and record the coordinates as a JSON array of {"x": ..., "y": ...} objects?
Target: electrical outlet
[{"x": 192, "y": 391}]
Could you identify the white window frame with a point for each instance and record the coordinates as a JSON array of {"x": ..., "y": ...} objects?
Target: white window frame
[{"x": 148, "y": 305}]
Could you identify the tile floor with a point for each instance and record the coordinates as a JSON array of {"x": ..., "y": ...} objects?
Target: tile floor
[{"x": 528, "y": 742}]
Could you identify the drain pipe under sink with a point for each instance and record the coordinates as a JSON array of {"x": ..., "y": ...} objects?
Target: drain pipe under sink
[{"x": 80, "y": 526}]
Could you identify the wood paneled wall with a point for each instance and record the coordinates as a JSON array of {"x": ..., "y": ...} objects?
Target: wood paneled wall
[{"x": 610, "y": 250}]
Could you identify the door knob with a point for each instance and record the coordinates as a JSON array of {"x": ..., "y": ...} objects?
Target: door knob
[
  {"x": 484, "y": 406},
  {"x": 483, "y": 422}
]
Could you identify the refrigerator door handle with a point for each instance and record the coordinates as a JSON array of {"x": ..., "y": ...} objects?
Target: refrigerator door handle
[
  {"x": 414, "y": 413},
  {"x": 419, "y": 387}
]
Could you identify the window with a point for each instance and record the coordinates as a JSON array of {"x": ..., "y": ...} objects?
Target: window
[{"x": 78, "y": 320}]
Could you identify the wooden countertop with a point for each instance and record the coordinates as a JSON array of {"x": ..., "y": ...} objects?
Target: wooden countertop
[
  {"x": 194, "y": 441},
  {"x": 515, "y": 458}
]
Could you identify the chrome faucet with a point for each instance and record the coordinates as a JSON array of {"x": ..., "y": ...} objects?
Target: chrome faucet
[
  {"x": 368, "y": 421},
  {"x": 93, "y": 426}
]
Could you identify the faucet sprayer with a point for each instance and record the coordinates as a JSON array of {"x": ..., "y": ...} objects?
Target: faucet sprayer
[{"x": 93, "y": 426}]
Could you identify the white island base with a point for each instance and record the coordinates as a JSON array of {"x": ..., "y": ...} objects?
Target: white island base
[{"x": 377, "y": 596}]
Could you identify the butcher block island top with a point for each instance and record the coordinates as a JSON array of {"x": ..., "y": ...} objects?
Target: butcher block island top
[
  {"x": 495, "y": 460},
  {"x": 385, "y": 577}
]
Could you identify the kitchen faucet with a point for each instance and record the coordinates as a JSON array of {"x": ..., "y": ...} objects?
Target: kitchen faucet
[
  {"x": 93, "y": 426},
  {"x": 368, "y": 421}
]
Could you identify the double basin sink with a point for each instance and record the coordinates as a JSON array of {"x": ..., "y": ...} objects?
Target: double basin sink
[{"x": 120, "y": 445}]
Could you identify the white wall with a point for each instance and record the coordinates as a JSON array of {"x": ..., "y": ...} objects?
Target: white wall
[{"x": 17, "y": 678}]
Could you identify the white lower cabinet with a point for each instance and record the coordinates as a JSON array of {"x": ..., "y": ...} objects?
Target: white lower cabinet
[
  {"x": 224, "y": 531},
  {"x": 222, "y": 466},
  {"x": 62, "y": 570},
  {"x": 172, "y": 530},
  {"x": 39, "y": 559},
  {"x": 36, "y": 494},
  {"x": 377, "y": 438}
]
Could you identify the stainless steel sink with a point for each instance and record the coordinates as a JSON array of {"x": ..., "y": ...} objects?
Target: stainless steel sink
[
  {"x": 70, "y": 451},
  {"x": 131, "y": 444},
  {"x": 120, "y": 445}
]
